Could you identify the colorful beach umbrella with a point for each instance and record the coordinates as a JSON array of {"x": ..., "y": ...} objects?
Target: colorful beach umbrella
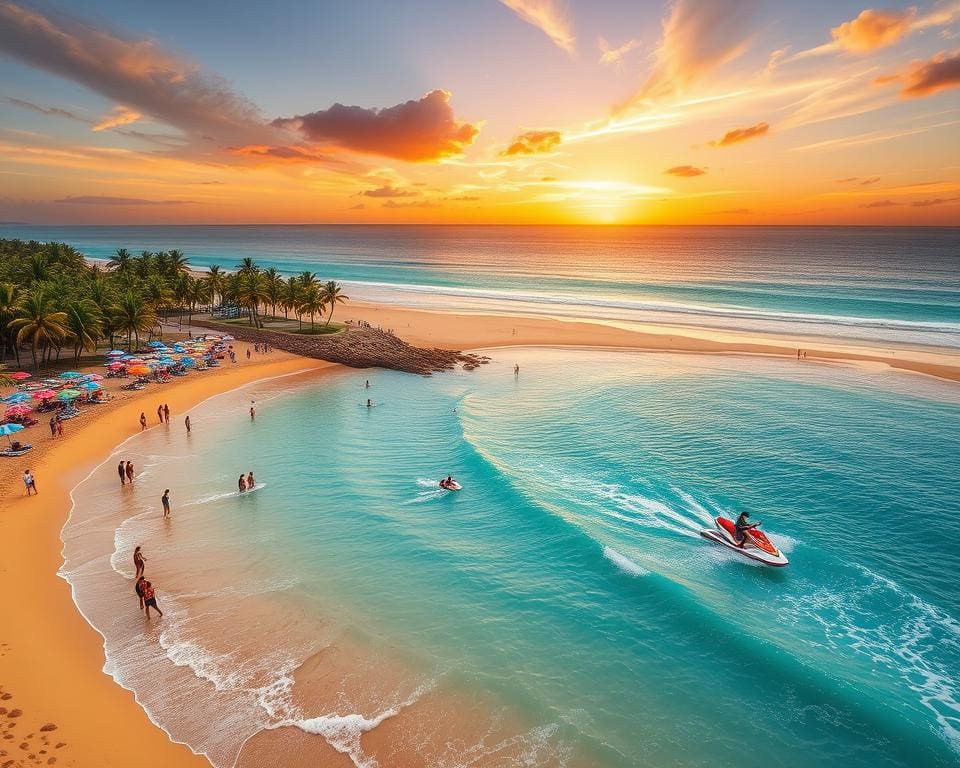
[
  {"x": 69, "y": 394},
  {"x": 20, "y": 376},
  {"x": 188, "y": 361},
  {"x": 140, "y": 370},
  {"x": 17, "y": 410},
  {"x": 116, "y": 353},
  {"x": 93, "y": 377},
  {"x": 17, "y": 397},
  {"x": 116, "y": 366},
  {"x": 71, "y": 375},
  {"x": 44, "y": 394},
  {"x": 9, "y": 429},
  {"x": 90, "y": 386}
]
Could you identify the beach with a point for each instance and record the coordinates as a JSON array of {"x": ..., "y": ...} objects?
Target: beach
[{"x": 98, "y": 722}]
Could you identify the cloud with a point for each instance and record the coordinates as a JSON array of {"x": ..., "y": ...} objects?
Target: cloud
[
  {"x": 872, "y": 180},
  {"x": 104, "y": 200},
  {"x": 873, "y": 29},
  {"x": 134, "y": 72},
  {"x": 464, "y": 198},
  {"x": 736, "y": 211},
  {"x": 532, "y": 142},
  {"x": 698, "y": 37},
  {"x": 56, "y": 111},
  {"x": 610, "y": 55},
  {"x": 937, "y": 74},
  {"x": 389, "y": 190},
  {"x": 847, "y": 180},
  {"x": 686, "y": 171},
  {"x": 357, "y": 207},
  {"x": 880, "y": 204},
  {"x": 742, "y": 134},
  {"x": 415, "y": 131},
  {"x": 937, "y": 201},
  {"x": 291, "y": 153},
  {"x": 549, "y": 18},
  {"x": 419, "y": 204},
  {"x": 120, "y": 116}
]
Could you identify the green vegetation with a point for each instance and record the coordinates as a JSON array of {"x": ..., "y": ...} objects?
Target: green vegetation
[{"x": 51, "y": 299}]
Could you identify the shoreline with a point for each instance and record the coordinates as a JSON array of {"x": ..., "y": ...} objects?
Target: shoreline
[
  {"x": 92, "y": 713},
  {"x": 97, "y": 721}
]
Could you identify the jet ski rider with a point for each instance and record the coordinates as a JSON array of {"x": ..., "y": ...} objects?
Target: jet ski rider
[{"x": 742, "y": 526}]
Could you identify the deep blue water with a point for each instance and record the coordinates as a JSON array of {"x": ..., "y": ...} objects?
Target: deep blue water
[{"x": 868, "y": 283}]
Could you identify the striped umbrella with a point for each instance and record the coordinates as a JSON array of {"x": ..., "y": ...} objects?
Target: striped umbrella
[
  {"x": 17, "y": 410},
  {"x": 20, "y": 376},
  {"x": 69, "y": 394},
  {"x": 9, "y": 429},
  {"x": 44, "y": 394}
]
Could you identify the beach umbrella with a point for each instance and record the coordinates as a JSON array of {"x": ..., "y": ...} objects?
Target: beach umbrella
[
  {"x": 156, "y": 344},
  {"x": 69, "y": 394},
  {"x": 17, "y": 410},
  {"x": 9, "y": 429},
  {"x": 140, "y": 370},
  {"x": 188, "y": 361},
  {"x": 116, "y": 353},
  {"x": 115, "y": 366},
  {"x": 93, "y": 377},
  {"x": 17, "y": 397},
  {"x": 90, "y": 386},
  {"x": 44, "y": 394},
  {"x": 133, "y": 360},
  {"x": 20, "y": 376},
  {"x": 71, "y": 375}
]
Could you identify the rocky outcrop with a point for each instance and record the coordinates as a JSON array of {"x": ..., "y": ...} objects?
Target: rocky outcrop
[{"x": 356, "y": 347}]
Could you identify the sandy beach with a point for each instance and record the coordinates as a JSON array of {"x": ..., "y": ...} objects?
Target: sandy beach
[{"x": 62, "y": 709}]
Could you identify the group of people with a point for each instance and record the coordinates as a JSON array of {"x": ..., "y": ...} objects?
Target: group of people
[
  {"x": 247, "y": 483},
  {"x": 146, "y": 595},
  {"x": 163, "y": 413},
  {"x": 56, "y": 426},
  {"x": 125, "y": 470}
]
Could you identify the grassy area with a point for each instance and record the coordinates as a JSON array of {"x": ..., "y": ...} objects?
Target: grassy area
[{"x": 285, "y": 325}]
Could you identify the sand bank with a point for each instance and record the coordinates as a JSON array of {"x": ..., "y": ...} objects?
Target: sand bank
[{"x": 50, "y": 658}]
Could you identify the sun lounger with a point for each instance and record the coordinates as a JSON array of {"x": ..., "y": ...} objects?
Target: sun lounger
[{"x": 18, "y": 449}]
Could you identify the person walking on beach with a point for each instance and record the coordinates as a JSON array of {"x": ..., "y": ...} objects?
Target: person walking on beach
[
  {"x": 59, "y": 427},
  {"x": 143, "y": 421},
  {"x": 166, "y": 413},
  {"x": 138, "y": 588},
  {"x": 248, "y": 353},
  {"x": 242, "y": 484},
  {"x": 122, "y": 471},
  {"x": 150, "y": 598},
  {"x": 139, "y": 562},
  {"x": 165, "y": 501},
  {"x": 186, "y": 423},
  {"x": 130, "y": 472},
  {"x": 30, "y": 483},
  {"x": 53, "y": 426},
  {"x": 250, "y": 481}
]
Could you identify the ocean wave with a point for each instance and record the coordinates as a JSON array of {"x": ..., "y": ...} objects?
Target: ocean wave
[{"x": 624, "y": 563}]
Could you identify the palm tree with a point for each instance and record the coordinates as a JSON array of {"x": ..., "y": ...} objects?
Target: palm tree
[
  {"x": 38, "y": 268},
  {"x": 10, "y": 303},
  {"x": 198, "y": 292},
  {"x": 291, "y": 296},
  {"x": 274, "y": 285},
  {"x": 181, "y": 292},
  {"x": 133, "y": 315},
  {"x": 247, "y": 265},
  {"x": 144, "y": 264},
  {"x": 250, "y": 292},
  {"x": 85, "y": 324},
  {"x": 311, "y": 302},
  {"x": 159, "y": 296},
  {"x": 215, "y": 279},
  {"x": 177, "y": 263},
  {"x": 39, "y": 323},
  {"x": 331, "y": 295},
  {"x": 121, "y": 262},
  {"x": 100, "y": 293}
]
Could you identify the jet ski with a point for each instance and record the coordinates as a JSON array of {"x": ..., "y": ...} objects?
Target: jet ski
[
  {"x": 452, "y": 485},
  {"x": 757, "y": 546}
]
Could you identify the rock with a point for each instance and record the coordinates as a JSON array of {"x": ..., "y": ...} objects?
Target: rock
[
  {"x": 48, "y": 727},
  {"x": 15, "y": 713}
]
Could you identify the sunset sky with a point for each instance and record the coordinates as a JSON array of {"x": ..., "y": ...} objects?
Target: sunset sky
[{"x": 480, "y": 111}]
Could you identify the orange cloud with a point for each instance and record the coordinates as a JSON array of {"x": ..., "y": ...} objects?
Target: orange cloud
[
  {"x": 549, "y": 18},
  {"x": 389, "y": 191},
  {"x": 120, "y": 116},
  {"x": 105, "y": 200},
  {"x": 880, "y": 204},
  {"x": 741, "y": 134},
  {"x": 873, "y": 29},
  {"x": 686, "y": 171},
  {"x": 532, "y": 142},
  {"x": 416, "y": 131},
  {"x": 419, "y": 204},
  {"x": 697, "y": 38},
  {"x": 610, "y": 55},
  {"x": 290, "y": 153},
  {"x": 937, "y": 74}
]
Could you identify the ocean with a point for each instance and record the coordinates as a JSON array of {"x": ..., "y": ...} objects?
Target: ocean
[
  {"x": 562, "y": 609},
  {"x": 871, "y": 284}
]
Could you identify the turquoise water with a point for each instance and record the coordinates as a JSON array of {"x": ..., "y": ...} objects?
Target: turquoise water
[
  {"x": 891, "y": 285},
  {"x": 567, "y": 582}
]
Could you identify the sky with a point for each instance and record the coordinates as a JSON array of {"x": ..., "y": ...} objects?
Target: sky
[{"x": 480, "y": 111}]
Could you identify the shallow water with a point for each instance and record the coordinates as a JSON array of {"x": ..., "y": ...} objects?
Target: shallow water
[{"x": 562, "y": 608}]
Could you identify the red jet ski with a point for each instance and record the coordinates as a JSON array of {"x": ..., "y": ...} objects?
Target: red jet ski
[
  {"x": 450, "y": 485},
  {"x": 757, "y": 546}
]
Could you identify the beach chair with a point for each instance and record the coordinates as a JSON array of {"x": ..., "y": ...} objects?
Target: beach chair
[{"x": 16, "y": 449}]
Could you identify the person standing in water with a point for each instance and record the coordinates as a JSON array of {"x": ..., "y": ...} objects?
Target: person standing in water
[
  {"x": 150, "y": 598},
  {"x": 186, "y": 423},
  {"x": 251, "y": 483},
  {"x": 253, "y": 411},
  {"x": 516, "y": 369},
  {"x": 143, "y": 421},
  {"x": 129, "y": 470},
  {"x": 139, "y": 562},
  {"x": 122, "y": 471},
  {"x": 165, "y": 501},
  {"x": 242, "y": 484},
  {"x": 160, "y": 413},
  {"x": 166, "y": 413},
  {"x": 138, "y": 588},
  {"x": 367, "y": 384}
]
